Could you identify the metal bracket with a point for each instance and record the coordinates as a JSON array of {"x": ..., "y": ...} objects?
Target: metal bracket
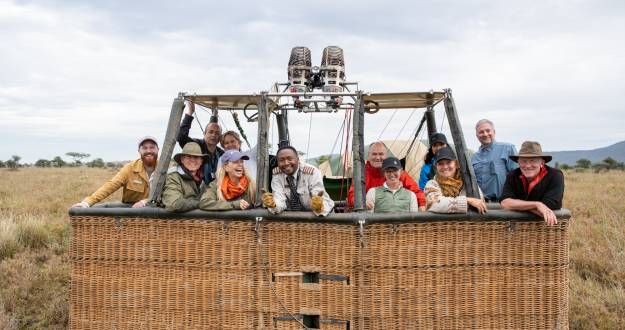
[
  {"x": 394, "y": 229},
  {"x": 119, "y": 225},
  {"x": 257, "y": 228},
  {"x": 361, "y": 231},
  {"x": 511, "y": 226},
  {"x": 226, "y": 226}
]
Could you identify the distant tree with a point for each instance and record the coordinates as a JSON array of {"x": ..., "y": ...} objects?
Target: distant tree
[
  {"x": 43, "y": 163},
  {"x": 599, "y": 167},
  {"x": 583, "y": 163},
  {"x": 610, "y": 163},
  {"x": 98, "y": 162},
  {"x": 58, "y": 162},
  {"x": 14, "y": 162},
  {"x": 78, "y": 156},
  {"x": 565, "y": 167},
  {"x": 2, "y": 164}
]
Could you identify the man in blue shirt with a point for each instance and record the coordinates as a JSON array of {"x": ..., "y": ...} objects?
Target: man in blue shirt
[{"x": 491, "y": 163}]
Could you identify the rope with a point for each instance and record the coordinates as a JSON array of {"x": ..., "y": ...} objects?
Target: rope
[
  {"x": 348, "y": 135},
  {"x": 235, "y": 117},
  {"x": 309, "y": 130},
  {"x": 388, "y": 122},
  {"x": 402, "y": 128}
]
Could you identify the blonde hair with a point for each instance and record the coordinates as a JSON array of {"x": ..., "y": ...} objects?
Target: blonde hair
[
  {"x": 234, "y": 134},
  {"x": 221, "y": 174}
]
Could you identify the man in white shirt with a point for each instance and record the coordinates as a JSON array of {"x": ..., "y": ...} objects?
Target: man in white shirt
[{"x": 295, "y": 189}]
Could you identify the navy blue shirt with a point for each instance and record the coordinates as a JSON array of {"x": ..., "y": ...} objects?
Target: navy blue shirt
[{"x": 491, "y": 165}]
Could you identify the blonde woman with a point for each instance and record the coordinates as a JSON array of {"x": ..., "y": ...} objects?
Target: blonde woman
[
  {"x": 446, "y": 192},
  {"x": 233, "y": 189}
]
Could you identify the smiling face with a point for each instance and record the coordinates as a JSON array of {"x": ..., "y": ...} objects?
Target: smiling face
[
  {"x": 149, "y": 153},
  {"x": 230, "y": 142},
  {"x": 446, "y": 168},
  {"x": 377, "y": 154},
  {"x": 530, "y": 166},
  {"x": 235, "y": 169},
  {"x": 191, "y": 163},
  {"x": 485, "y": 133},
  {"x": 287, "y": 161},
  {"x": 391, "y": 175},
  {"x": 212, "y": 134}
]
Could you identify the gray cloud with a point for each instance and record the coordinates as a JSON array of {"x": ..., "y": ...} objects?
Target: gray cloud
[{"x": 93, "y": 76}]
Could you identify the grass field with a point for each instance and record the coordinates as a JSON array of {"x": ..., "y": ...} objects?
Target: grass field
[{"x": 34, "y": 232}]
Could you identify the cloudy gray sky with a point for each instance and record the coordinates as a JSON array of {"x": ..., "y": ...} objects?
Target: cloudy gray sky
[{"x": 94, "y": 76}]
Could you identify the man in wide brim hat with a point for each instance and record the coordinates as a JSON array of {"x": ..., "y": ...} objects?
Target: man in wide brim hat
[
  {"x": 184, "y": 185},
  {"x": 534, "y": 186},
  {"x": 531, "y": 149},
  {"x": 190, "y": 149}
]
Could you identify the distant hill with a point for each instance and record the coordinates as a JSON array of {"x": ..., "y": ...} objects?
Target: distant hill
[{"x": 616, "y": 151}]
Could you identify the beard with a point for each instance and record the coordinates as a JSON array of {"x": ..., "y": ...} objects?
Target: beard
[{"x": 149, "y": 161}]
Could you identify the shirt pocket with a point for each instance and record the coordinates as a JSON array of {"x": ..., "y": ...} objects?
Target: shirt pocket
[{"x": 136, "y": 184}]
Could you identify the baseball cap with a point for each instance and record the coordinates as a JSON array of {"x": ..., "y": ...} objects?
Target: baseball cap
[
  {"x": 232, "y": 156},
  {"x": 445, "y": 153},
  {"x": 147, "y": 138},
  {"x": 391, "y": 162}
]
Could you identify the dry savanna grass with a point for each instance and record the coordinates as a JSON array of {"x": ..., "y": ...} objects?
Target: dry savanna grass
[{"x": 34, "y": 231}]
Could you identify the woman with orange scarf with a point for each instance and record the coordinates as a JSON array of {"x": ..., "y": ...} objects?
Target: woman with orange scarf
[
  {"x": 233, "y": 189},
  {"x": 446, "y": 193}
]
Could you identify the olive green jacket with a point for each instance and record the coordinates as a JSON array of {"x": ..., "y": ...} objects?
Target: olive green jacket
[
  {"x": 211, "y": 202},
  {"x": 181, "y": 193}
]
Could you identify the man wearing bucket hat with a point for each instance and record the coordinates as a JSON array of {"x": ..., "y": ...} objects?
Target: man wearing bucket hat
[
  {"x": 134, "y": 178},
  {"x": 534, "y": 186},
  {"x": 391, "y": 196},
  {"x": 185, "y": 185}
]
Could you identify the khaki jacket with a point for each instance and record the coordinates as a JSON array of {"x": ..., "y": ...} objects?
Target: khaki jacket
[
  {"x": 211, "y": 202},
  {"x": 132, "y": 178},
  {"x": 181, "y": 193}
]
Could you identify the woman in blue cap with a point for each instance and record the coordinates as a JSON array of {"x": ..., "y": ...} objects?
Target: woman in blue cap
[{"x": 233, "y": 188}]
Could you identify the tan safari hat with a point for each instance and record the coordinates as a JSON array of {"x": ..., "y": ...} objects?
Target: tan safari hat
[
  {"x": 190, "y": 149},
  {"x": 531, "y": 149}
]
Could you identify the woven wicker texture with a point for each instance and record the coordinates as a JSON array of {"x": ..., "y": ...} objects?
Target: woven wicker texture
[{"x": 140, "y": 273}]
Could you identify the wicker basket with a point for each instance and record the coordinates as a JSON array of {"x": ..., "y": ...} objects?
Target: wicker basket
[{"x": 192, "y": 273}]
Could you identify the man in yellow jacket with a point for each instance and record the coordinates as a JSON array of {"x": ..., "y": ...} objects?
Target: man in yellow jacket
[{"x": 134, "y": 178}]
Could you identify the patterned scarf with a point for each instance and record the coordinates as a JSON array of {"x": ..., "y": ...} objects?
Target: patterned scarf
[
  {"x": 450, "y": 187},
  {"x": 232, "y": 191}
]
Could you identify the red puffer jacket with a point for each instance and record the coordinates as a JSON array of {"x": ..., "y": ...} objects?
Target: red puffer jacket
[{"x": 375, "y": 178}]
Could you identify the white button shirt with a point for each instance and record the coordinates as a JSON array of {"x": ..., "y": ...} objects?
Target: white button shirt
[{"x": 308, "y": 185}]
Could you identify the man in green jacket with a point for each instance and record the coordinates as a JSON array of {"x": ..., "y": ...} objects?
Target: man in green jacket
[{"x": 184, "y": 185}]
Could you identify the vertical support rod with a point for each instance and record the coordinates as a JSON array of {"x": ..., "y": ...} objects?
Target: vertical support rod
[
  {"x": 262, "y": 155},
  {"x": 358, "y": 154},
  {"x": 468, "y": 175},
  {"x": 431, "y": 120},
  {"x": 283, "y": 133},
  {"x": 167, "y": 149}
]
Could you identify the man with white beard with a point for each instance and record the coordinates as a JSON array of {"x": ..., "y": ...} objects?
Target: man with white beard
[{"x": 134, "y": 178}]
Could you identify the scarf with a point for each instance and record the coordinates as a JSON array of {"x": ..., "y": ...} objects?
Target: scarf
[
  {"x": 232, "y": 191},
  {"x": 529, "y": 186},
  {"x": 450, "y": 187},
  {"x": 196, "y": 176}
]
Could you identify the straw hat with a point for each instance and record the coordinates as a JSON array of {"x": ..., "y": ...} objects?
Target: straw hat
[{"x": 531, "y": 149}]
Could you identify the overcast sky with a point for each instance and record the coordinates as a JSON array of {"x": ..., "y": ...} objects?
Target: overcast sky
[{"x": 94, "y": 76}]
